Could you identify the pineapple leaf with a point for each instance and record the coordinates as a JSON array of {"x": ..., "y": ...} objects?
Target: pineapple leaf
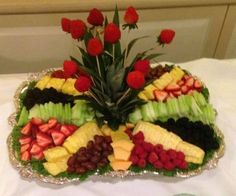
[
  {"x": 131, "y": 44},
  {"x": 153, "y": 56},
  {"x": 116, "y": 17}
]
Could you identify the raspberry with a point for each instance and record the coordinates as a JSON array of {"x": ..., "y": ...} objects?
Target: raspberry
[
  {"x": 139, "y": 136},
  {"x": 138, "y": 141},
  {"x": 138, "y": 150},
  {"x": 152, "y": 158},
  {"x": 58, "y": 74},
  {"x": 169, "y": 166},
  {"x": 183, "y": 165},
  {"x": 176, "y": 162},
  {"x": 129, "y": 133},
  {"x": 142, "y": 163},
  {"x": 180, "y": 155},
  {"x": 134, "y": 159},
  {"x": 143, "y": 155},
  {"x": 158, "y": 164},
  {"x": 164, "y": 157},
  {"x": 147, "y": 146},
  {"x": 158, "y": 148},
  {"x": 172, "y": 153}
]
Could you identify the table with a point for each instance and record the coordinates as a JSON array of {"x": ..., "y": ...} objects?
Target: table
[{"x": 218, "y": 75}]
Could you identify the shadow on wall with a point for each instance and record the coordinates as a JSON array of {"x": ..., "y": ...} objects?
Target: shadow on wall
[{"x": 8, "y": 65}]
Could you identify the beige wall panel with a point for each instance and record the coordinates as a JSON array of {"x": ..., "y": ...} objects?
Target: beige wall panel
[
  {"x": 227, "y": 43},
  {"x": 32, "y": 42}
]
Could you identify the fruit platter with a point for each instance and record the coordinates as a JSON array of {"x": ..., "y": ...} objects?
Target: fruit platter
[{"x": 111, "y": 115}]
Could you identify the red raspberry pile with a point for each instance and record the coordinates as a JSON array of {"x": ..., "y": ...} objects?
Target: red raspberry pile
[{"x": 145, "y": 152}]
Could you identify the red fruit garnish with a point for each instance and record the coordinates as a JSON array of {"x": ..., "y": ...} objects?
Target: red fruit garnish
[
  {"x": 129, "y": 133},
  {"x": 52, "y": 123},
  {"x": 112, "y": 33},
  {"x": 164, "y": 157},
  {"x": 138, "y": 150},
  {"x": 44, "y": 128},
  {"x": 180, "y": 82},
  {"x": 131, "y": 16},
  {"x": 171, "y": 95},
  {"x": 135, "y": 79},
  {"x": 66, "y": 130},
  {"x": 176, "y": 162},
  {"x": 158, "y": 164},
  {"x": 184, "y": 89},
  {"x": 134, "y": 159},
  {"x": 26, "y": 130},
  {"x": 58, "y": 74},
  {"x": 185, "y": 77},
  {"x": 77, "y": 29},
  {"x": 197, "y": 84},
  {"x": 65, "y": 24},
  {"x": 142, "y": 66},
  {"x": 25, "y": 140},
  {"x": 169, "y": 166},
  {"x": 183, "y": 165},
  {"x": 138, "y": 136},
  {"x": 160, "y": 95},
  {"x": 177, "y": 93},
  {"x": 189, "y": 82},
  {"x": 152, "y": 158},
  {"x": 158, "y": 148},
  {"x": 142, "y": 163},
  {"x": 25, "y": 156},
  {"x": 34, "y": 131},
  {"x": 72, "y": 128},
  {"x": 57, "y": 127},
  {"x": 43, "y": 139},
  {"x": 38, "y": 156},
  {"x": 94, "y": 47},
  {"x": 180, "y": 155},
  {"x": 24, "y": 147},
  {"x": 70, "y": 68},
  {"x": 95, "y": 17},
  {"x": 58, "y": 137},
  {"x": 147, "y": 146},
  {"x": 172, "y": 87},
  {"x": 83, "y": 83},
  {"x": 36, "y": 121},
  {"x": 143, "y": 155},
  {"x": 36, "y": 148},
  {"x": 166, "y": 36},
  {"x": 172, "y": 153}
]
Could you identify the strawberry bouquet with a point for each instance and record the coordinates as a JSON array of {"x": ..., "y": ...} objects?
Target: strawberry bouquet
[{"x": 109, "y": 113}]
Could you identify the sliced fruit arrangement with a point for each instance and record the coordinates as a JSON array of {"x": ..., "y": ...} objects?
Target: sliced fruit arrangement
[
  {"x": 38, "y": 136},
  {"x": 171, "y": 84},
  {"x": 155, "y": 134},
  {"x": 146, "y": 153},
  {"x": 65, "y": 86},
  {"x": 194, "y": 107}
]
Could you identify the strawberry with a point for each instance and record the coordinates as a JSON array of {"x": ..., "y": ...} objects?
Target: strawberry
[
  {"x": 180, "y": 155},
  {"x": 160, "y": 95},
  {"x": 58, "y": 74},
  {"x": 152, "y": 158},
  {"x": 158, "y": 148},
  {"x": 34, "y": 131},
  {"x": 164, "y": 157},
  {"x": 66, "y": 130},
  {"x": 177, "y": 93},
  {"x": 142, "y": 163},
  {"x": 39, "y": 156},
  {"x": 24, "y": 147},
  {"x": 52, "y": 122},
  {"x": 25, "y": 140},
  {"x": 172, "y": 153},
  {"x": 180, "y": 82},
  {"x": 183, "y": 165},
  {"x": 134, "y": 159},
  {"x": 186, "y": 77},
  {"x": 57, "y": 127},
  {"x": 36, "y": 121},
  {"x": 44, "y": 128},
  {"x": 72, "y": 128},
  {"x": 25, "y": 156},
  {"x": 169, "y": 166},
  {"x": 171, "y": 95},
  {"x": 147, "y": 146},
  {"x": 189, "y": 82},
  {"x": 158, "y": 164},
  {"x": 184, "y": 89},
  {"x": 197, "y": 84},
  {"x": 26, "y": 130},
  {"x": 172, "y": 87},
  {"x": 43, "y": 139},
  {"x": 36, "y": 148},
  {"x": 58, "y": 137}
]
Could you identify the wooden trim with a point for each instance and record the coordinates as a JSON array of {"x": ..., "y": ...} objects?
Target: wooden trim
[{"x": 53, "y": 6}]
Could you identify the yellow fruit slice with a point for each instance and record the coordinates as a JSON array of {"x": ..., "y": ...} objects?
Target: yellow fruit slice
[
  {"x": 141, "y": 95},
  {"x": 121, "y": 154},
  {"x": 55, "y": 154},
  {"x": 120, "y": 165},
  {"x": 42, "y": 83},
  {"x": 69, "y": 88},
  {"x": 125, "y": 144},
  {"x": 56, "y": 83}
]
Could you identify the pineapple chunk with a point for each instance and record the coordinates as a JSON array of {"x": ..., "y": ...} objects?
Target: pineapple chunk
[
  {"x": 119, "y": 135},
  {"x": 126, "y": 145},
  {"x": 141, "y": 95},
  {"x": 42, "y": 83},
  {"x": 176, "y": 73},
  {"x": 120, "y": 165},
  {"x": 163, "y": 81},
  {"x": 56, "y": 83},
  {"x": 148, "y": 91},
  {"x": 68, "y": 87},
  {"x": 148, "y": 94},
  {"x": 54, "y": 154}
]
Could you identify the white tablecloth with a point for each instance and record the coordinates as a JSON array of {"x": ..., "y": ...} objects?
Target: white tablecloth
[{"x": 219, "y": 76}]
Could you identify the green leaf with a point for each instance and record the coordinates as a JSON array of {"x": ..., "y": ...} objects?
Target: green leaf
[
  {"x": 131, "y": 44},
  {"x": 117, "y": 50},
  {"x": 152, "y": 56},
  {"x": 76, "y": 60},
  {"x": 205, "y": 93},
  {"x": 116, "y": 17}
]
